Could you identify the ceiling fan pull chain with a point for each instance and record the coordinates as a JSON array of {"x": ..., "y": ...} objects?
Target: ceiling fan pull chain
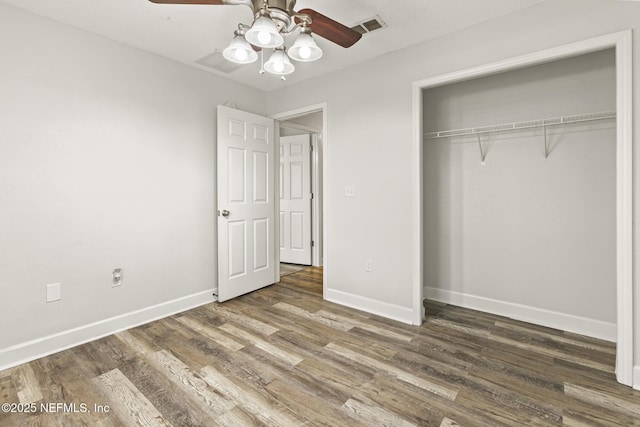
[{"x": 262, "y": 71}]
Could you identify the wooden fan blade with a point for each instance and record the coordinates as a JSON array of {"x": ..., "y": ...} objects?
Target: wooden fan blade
[
  {"x": 330, "y": 29},
  {"x": 215, "y": 2}
]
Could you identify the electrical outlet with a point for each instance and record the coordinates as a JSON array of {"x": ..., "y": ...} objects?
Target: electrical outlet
[
  {"x": 368, "y": 266},
  {"x": 116, "y": 277},
  {"x": 54, "y": 292},
  {"x": 349, "y": 191}
]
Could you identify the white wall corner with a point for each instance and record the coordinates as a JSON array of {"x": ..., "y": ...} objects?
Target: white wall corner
[
  {"x": 45, "y": 346},
  {"x": 552, "y": 319},
  {"x": 636, "y": 377},
  {"x": 390, "y": 311}
]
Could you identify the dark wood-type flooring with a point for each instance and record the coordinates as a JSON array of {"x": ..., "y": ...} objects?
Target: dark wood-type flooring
[{"x": 283, "y": 356}]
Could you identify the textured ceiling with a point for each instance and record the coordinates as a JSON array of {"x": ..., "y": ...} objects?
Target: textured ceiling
[{"x": 186, "y": 33}]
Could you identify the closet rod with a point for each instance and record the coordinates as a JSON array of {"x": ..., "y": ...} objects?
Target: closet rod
[{"x": 522, "y": 125}]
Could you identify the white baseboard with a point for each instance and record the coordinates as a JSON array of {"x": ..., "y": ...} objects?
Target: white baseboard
[
  {"x": 391, "y": 311},
  {"x": 552, "y": 319},
  {"x": 636, "y": 377},
  {"x": 35, "y": 349}
]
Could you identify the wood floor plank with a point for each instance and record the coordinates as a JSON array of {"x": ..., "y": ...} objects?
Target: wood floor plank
[
  {"x": 177, "y": 405},
  {"x": 138, "y": 345},
  {"x": 182, "y": 376},
  {"x": 425, "y": 409},
  {"x": 410, "y": 403},
  {"x": 364, "y": 325},
  {"x": 130, "y": 404},
  {"x": 210, "y": 332},
  {"x": 235, "y": 315},
  {"x": 27, "y": 386},
  {"x": 375, "y": 415},
  {"x": 601, "y": 346},
  {"x": 283, "y": 356},
  {"x": 446, "y": 422},
  {"x": 625, "y": 406},
  {"x": 290, "y": 308},
  {"x": 253, "y": 402},
  {"x": 8, "y": 392},
  {"x": 394, "y": 371},
  {"x": 311, "y": 409}
]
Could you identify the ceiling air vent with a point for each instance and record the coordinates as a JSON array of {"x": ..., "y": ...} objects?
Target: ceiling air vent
[
  {"x": 217, "y": 62},
  {"x": 369, "y": 25}
]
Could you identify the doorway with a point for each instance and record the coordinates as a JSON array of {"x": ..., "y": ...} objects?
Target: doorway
[
  {"x": 621, "y": 42},
  {"x": 310, "y": 123},
  {"x": 296, "y": 196}
]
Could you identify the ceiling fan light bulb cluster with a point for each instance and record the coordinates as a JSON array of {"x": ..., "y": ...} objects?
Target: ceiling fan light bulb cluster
[
  {"x": 305, "y": 49},
  {"x": 239, "y": 50},
  {"x": 279, "y": 63},
  {"x": 264, "y": 32}
]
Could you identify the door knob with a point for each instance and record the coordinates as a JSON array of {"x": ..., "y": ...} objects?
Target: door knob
[{"x": 225, "y": 213}]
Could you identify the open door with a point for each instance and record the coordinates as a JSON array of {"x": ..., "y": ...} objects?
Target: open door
[
  {"x": 246, "y": 203},
  {"x": 295, "y": 199}
]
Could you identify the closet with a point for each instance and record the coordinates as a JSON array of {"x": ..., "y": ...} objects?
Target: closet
[{"x": 520, "y": 194}]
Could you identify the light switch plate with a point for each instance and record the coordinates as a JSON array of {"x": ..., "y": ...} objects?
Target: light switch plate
[{"x": 54, "y": 292}]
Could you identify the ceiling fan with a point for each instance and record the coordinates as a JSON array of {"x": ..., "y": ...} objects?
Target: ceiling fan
[{"x": 273, "y": 20}]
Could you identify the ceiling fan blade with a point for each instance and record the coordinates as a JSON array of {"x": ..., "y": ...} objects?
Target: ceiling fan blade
[
  {"x": 330, "y": 29},
  {"x": 188, "y": 1}
]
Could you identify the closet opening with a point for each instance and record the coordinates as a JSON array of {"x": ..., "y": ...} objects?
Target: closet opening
[{"x": 524, "y": 171}]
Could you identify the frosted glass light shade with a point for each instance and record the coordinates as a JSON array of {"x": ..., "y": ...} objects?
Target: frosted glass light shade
[
  {"x": 305, "y": 49},
  {"x": 240, "y": 51},
  {"x": 264, "y": 33},
  {"x": 279, "y": 63}
]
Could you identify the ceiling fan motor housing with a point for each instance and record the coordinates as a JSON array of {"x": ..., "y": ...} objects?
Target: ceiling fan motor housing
[
  {"x": 284, "y": 5},
  {"x": 280, "y": 11}
]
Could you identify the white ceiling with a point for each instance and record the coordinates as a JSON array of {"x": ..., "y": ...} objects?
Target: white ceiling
[{"x": 187, "y": 33}]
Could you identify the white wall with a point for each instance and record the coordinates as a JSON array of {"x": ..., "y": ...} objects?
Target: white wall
[
  {"x": 521, "y": 235},
  {"x": 370, "y": 137},
  {"x": 106, "y": 161}
]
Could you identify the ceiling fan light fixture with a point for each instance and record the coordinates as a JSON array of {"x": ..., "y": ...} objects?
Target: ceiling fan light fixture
[
  {"x": 279, "y": 63},
  {"x": 264, "y": 32},
  {"x": 305, "y": 49},
  {"x": 239, "y": 50}
]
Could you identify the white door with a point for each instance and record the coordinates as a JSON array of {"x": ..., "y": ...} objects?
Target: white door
[
  {"x": 246, "y": 203},
  {"x": 295, "y": 199}
]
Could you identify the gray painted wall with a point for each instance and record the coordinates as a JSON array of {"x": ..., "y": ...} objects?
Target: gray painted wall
[{"x": 106, "y": 161}]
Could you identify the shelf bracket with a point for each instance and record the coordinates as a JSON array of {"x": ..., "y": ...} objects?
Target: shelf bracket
[{"x": 483, "y": 153}]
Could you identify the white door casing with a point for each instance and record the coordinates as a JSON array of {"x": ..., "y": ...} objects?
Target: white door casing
[
  {"x": 246, "y": 202},
  {"x": 295, "y": 199}
]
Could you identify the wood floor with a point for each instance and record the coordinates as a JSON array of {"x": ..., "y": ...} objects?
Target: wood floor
[
  {"x": 283, "y": 356},
  {"x": 286, "y": 269}
]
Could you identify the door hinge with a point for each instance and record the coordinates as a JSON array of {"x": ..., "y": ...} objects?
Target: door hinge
[
  {"x": 311, "y": 147},
  {"x": 311, "y": 196},
  {"x": 313, "y": 243}
]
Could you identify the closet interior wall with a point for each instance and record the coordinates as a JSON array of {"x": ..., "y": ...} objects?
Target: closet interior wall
[{"x": 524, "y": 235}]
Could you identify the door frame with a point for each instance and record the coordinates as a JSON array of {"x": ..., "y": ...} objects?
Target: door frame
[
  {"x": 319, "y": 215},
  {"x": 622, "y": 43}
]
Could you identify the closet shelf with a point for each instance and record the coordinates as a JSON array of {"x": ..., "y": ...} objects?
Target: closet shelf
[{"x": 522, "y": 125}]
